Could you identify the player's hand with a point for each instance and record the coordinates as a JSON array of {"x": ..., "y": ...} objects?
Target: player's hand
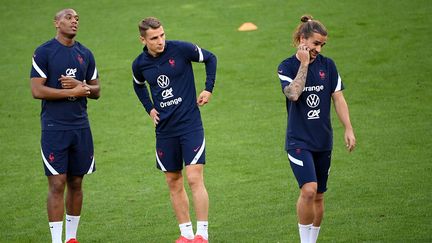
[
  {"x": 68, "y": 82},
  {"x": 81, "y": 90},
  {"x": 204, "y": 98},
  {"x": 154, "y": 114},
  {"x": 350, "y": 141},
  {"x": 303, "y": 53}
]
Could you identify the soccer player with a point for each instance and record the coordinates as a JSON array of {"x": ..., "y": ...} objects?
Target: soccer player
[
  {"x": 63, "y": 76},
  {"x": 310, "y": 81},
  {"x": 167, "y": 69}
]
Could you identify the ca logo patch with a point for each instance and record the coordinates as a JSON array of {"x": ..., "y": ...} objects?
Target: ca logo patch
[
  {"x": 70, "y": 72},
  {"x": 167, "y": 93}
]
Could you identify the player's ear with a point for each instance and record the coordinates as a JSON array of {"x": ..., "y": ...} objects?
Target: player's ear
[{"x": 142, "y": 39}]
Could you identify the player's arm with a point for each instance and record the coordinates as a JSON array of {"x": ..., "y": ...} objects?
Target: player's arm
[
  {"x": 93, "y": 78},
  {"x": 70, "y": 83},
  {"x": 295, "y": 88},
  {"x": 196, "y": 54},
  {"x": 210, "y": 62},
  {"x": 143, "y": 95},
  {"x": 94, "y": 89},
  {"x": 41, "y": 91},
  {"x": 342, "y": 111}
]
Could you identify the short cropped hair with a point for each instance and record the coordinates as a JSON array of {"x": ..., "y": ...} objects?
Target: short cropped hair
[{"x": 147, "y": 23}]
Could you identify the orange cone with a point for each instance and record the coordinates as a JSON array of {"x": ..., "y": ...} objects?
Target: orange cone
[{"x": 248, "y": 26}]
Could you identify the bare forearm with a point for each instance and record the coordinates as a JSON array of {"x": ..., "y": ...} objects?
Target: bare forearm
[
  {"x": 94, "y": 91},
  {"x": 341, "y": 108},
  {"x": 342, "y": 111},
  {"x": 48, "y": 93},
  {"x": 295, "y": 88},
  {"x": 40, "y": 91}
]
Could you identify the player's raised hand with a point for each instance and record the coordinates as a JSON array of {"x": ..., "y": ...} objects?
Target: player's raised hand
[
  {"x": 68, "y": 82},
  {"x": 154, "y": 114},
  {"x": 303, "y": 53},
  {"x": 204, "y": 98}
]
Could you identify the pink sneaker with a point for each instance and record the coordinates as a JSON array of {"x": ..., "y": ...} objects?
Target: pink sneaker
[
  {"x": 73, "y": 240},
  {"x": 199, "y": 239},
  {"x": 183, "y": 239}
]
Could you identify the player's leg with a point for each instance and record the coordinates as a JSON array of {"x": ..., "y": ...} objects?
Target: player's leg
[
  {"x": 74, "y": 201},
  {"x": 199, "y": 192},
  {"x": 193, "y": 149},
  {"x": 318, "y": 216},
  {"x": 200, "y": 198},
  {"x": 322, "y": 162},
  {"x": 305, "y": 203},
  {"x": 55, "y": 206},
  {"x": 169, "y": 160},
  {"x": 74, "y": 195},
  {"x": 179, "y": 198},
  {"x": 318, "y": 209},
  {"x": 54, "y": 151},
  {"x": 301, "y": 162},
  {"x": 55, "y": 202},
  {"x": 180, "y": 204},
  {"x": 81, "y": 162}
]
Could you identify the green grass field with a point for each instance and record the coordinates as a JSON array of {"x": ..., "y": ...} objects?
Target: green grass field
[{"x": 380, "y": 193}]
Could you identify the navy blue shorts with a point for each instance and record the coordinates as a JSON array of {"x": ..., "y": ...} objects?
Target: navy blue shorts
[
  {"x": 310, "y": 167},
  {"x": 171, "y": 152},
  {"x": 69, "y": 151}
]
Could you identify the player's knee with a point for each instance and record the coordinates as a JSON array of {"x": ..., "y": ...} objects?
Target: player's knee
[
  {"x": 174, "y": 182},
  {"x": 195, "y": 179},
  {"x": 74, "y": 183},
  {"x": 56, "y": 187},
  {"x": 308, "y": 192}
]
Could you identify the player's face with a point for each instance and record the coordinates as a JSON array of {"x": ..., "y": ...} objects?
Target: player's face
[
  {"x": 154, "y": 39},
  {"x": 67, "y": 23},
  {"x": 315, "y": 43}
]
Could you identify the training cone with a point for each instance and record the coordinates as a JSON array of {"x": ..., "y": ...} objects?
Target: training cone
[{"x": 248, "y": 26}]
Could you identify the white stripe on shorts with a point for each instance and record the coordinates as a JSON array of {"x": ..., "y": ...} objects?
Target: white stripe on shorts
[
  {"x": 160, "y": 163},
  {"x": 47, "y": 164},
  {"x": 198, "y": 155},
  {"x": 295, "y": 161},
  {"x": 91, "y": 166}
]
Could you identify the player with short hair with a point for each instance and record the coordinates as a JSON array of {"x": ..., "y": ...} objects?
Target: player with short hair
[
  {"x": 63, "y": 76},
  {"x": 310, "y": 81},
  {"x": 166, "y": 67}
]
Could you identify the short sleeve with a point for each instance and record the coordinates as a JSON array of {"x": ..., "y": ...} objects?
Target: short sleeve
[
  {"x": 39, "y": 64},
  {"x": 285, "y": 74},
  {"x": 335, "y": 79},
  {"x": 92, "y": 72}
]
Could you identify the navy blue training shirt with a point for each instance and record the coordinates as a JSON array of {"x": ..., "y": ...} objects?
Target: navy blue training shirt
[
  {"x": 50, "y": 61},
  {"x": 172, "y": 85},
  {"x": 309, "y": 124}
]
